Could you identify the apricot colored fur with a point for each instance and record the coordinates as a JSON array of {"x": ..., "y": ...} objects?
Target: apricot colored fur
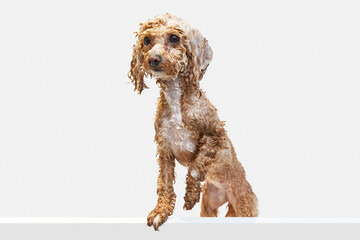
[{"x": 187, "y": 126}]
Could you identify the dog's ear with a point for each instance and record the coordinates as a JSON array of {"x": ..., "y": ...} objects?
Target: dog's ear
[
  {"x": 199, "y": 55},
  {"x": 137, "y": 73}
]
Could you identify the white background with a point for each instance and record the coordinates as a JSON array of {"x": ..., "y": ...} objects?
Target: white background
[{"x": 75, "y": 140}]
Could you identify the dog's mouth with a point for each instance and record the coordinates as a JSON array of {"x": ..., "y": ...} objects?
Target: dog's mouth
[
  {"x": 158, "y": 72},
  {"x": 157, "y": 69}
]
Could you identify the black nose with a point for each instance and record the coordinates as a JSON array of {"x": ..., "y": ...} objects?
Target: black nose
[{"x": 154, "y": 60}]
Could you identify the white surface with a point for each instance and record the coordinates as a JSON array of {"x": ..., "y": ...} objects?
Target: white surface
[
  {"x": 75, "y": 140},
  {"x": 111, "y": 231}
]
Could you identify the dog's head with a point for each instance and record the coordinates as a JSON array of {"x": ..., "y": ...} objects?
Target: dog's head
[{"x": 168, "y": 48}]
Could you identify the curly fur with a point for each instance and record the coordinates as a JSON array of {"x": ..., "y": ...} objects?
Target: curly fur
[{"x": 187, "y": 126}]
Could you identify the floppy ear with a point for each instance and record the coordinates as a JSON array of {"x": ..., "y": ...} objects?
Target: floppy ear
[
  {"x": 136, "y": 73},
  {"x": 199, "y": 56}
]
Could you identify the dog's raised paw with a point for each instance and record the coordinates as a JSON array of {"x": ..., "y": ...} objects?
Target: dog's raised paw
[{"x": 189, "y": 205}]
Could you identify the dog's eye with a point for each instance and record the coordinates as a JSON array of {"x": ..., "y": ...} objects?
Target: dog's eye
[
  {"x": 146, "y": 41},
  {"x": 174, "y": 39}
]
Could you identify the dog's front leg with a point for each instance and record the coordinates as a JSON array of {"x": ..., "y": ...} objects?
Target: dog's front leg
[
  {"x": 206, "y": 156},
  {"x": 165, "y": 190},
  {"x": 193, "y": 190}
]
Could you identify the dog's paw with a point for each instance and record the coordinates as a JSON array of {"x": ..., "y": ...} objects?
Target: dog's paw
[
  {"x": 189, "y": 204},
  {"x": 156, "y": 218},
  {"x": 191, "y": 198}
]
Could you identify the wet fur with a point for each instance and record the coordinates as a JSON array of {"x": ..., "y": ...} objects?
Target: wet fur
[{"x": 187, "y": 126}]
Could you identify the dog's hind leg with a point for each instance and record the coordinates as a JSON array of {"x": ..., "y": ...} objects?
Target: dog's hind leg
[
  {"x": 212, "y": 198},
  {"x": 231, "y": 211},
  {"x": 242, "y": 200}
]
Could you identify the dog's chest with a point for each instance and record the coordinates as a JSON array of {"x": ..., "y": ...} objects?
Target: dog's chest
[{"x": 175, "y": 134}]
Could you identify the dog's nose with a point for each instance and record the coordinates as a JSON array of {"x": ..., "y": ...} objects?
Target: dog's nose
[{"x": 154, "y": 60}]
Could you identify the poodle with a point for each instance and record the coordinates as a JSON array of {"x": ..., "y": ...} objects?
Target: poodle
[{"x": 187, "y": 126}]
